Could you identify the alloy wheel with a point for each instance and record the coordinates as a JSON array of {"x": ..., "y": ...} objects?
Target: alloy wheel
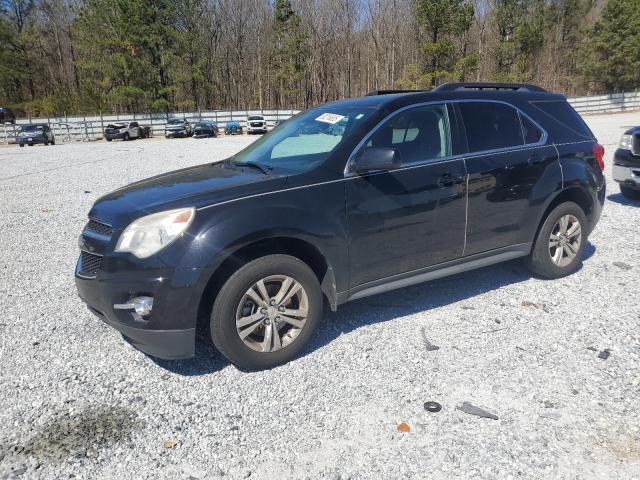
[
  {"x": 272, "y": 313},
  {"x": 564, "y": 242}
]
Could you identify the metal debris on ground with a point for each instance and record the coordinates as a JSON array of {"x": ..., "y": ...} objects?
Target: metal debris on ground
[
  {"x": 428, "y": 345},
  {"x": 604, "y": 354},
  {"x": 622, "y": 265},
  {"x": 467, "y": 407},
  {"x": 432, "y": 407}
]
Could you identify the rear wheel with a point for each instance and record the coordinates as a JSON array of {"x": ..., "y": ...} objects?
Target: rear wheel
[
  {"x": 631, "y": 193},
  {"x": 21, "y": 145},
  {"x": 53, "y": 140},
  {"x": 126, "y": 137},
  {"x": 560, "y": 242},
  {"x": 267, "y": 312}
]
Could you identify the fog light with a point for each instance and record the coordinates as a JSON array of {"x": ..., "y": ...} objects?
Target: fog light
[{"x": 142, "y": 305}]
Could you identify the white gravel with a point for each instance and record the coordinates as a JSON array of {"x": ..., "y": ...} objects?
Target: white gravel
[{"x": 77, "y": 401}]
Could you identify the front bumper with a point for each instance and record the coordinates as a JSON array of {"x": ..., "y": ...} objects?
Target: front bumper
[
  {"x": 176, "y": 134},
  {"x": 170, "y": 331},
  {"x": 262, "y": 129},
  {"x": 30, "y": 140},
  {"x": 114, "y": 136},
  {"x": 627, "y": 175}
]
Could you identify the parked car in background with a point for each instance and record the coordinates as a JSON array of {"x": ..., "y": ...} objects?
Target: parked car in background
[
  {"x": 233, "y": 128},
  {"x": 35, "y": 133},
  {"x": 256, "y": 124},
  {"x": 7, "y": 116},
  {"x": 205, "y": 128},
  {"x": 126, "y": 131},
  {"x": 178, "y": 127},
  {"x": 626, "y": 164},
  {"x": 418, "y": 186}
]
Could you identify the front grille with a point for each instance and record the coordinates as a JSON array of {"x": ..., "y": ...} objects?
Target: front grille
[
  {"x": 98, "y": 227},
  {"x": 89, "y": 263},
  {"x": 635, "y": 145},
  {"x": 256, "y": 124}
]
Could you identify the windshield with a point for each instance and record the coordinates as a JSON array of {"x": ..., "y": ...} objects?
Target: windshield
[
  {"x": 305, "y": 140},
  {"x": 176, "y": 121},
  {"x": 255, "y": 118},
  {"x": 32, "y": 128}
]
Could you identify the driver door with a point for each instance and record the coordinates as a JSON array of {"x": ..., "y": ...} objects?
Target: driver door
[{"x": 411, "y": 217}]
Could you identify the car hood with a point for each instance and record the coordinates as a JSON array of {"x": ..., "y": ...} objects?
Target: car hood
[
  {"x": 197, "y": 186},
  {"x": 182, "y": 126}
]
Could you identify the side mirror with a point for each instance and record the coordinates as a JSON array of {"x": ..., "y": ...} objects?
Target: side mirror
[{"x": 374, "y": 158}]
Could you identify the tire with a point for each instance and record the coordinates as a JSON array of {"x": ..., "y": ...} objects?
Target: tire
[
  {"x": 109, "y": 139},
  {"x": 630, "y": 193},
  {"x": 275, "y": 269},
  {"x": 126, "y": 137},
  {"x": 21, "y": 145},
  {"x": 46, "y": 143},
  {"x": 53, "y": 140},
  {"x": 540, "y": 260}
]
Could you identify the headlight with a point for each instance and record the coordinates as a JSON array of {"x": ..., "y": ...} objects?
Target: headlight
[
  {"x": 625, "y": 142},
  {"x": 148, "y": 235}
]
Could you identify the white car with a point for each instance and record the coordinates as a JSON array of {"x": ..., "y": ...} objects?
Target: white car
[
  {"x": 626, "y": 164},
  {"x": 256, "y": 124},
  {"x": 126, "y": 131}
]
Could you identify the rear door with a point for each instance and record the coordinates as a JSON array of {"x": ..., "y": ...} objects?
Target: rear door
[
  {"x": 511, "y": 171},
  {"x": 405, "y": 219}
]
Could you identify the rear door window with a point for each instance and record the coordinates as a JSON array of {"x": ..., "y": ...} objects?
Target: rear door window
[
  {"x": 491, "y": 126},
  {"x": 531, "y": 132}
]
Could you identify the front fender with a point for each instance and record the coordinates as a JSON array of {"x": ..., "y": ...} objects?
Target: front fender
[{"x": 315, "y": 215}]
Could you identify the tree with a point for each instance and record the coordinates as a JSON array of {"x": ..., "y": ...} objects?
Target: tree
[
  {"x": 610, "y": 58},
  {"x": 444, "y": 25},
  {"x": 290, "y": 51},
  {"x": 520, "y": 28}
]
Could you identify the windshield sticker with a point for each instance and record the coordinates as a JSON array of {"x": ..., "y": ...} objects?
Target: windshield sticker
[{"x": 330, "y": 118}]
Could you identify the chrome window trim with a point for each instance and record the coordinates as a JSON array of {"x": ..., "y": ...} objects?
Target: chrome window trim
[
  {"x": 480, "y": 153},
  {"x": 465, "y": 156}
]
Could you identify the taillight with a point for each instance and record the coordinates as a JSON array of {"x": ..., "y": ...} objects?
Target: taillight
[{"x": 598, "y": 153}]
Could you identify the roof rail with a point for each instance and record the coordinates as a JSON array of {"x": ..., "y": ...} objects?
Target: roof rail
[
  {"x": 522, "y": 87},
  {"x": 391, "y": 92}
]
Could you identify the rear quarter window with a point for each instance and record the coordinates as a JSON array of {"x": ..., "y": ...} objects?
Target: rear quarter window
[{"x": 565, "y": 121}]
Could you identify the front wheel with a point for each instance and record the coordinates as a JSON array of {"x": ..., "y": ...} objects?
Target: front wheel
[
  {"x": 266, "y": 312},
  {"x": 560, "y": 242},
  {"x": 631, "y": 193},
  {"x": 125, "y": 137}
]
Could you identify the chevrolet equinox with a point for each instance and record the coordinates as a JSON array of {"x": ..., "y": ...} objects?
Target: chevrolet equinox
[{"x": 415, "y": 186}]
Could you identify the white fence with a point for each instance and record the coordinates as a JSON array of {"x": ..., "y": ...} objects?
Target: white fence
[
  {"x": 614, "y": 102},
  {"x": 88, "y": 128}
]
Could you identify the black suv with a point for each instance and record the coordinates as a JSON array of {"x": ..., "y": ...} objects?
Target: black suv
[{"x": 416, "y": 186}]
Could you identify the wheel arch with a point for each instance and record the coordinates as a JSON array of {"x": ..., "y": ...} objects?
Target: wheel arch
[
  {"x": 287, "y": 245},
  {"x": 575, "y": 194}
]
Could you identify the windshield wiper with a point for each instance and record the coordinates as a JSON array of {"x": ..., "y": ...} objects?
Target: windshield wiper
[{"x": 266, "y": 169}]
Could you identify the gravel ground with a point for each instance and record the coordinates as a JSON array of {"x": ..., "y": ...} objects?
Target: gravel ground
[{"x": 77, "y": 401}]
